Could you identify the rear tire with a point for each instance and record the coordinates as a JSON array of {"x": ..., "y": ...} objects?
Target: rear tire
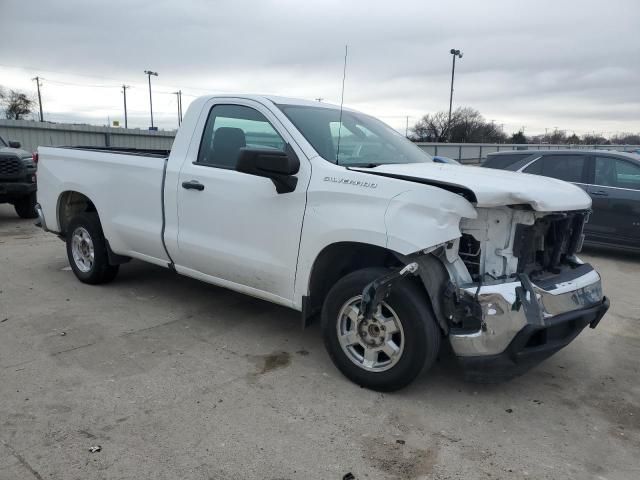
[
  {"x": 87, "y": 250},
  {"x": 411, "y": 335},
  {"x": 26, "y": 206}
]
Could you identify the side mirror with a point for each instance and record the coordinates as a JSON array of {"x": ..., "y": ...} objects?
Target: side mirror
[
  {"x": 14, "y": 144},
  {"x": 277, "y": 165}
]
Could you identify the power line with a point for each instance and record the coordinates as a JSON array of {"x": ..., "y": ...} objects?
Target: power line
[
  {"x": 73, "y": 84},
  {"x": 118, "y": 80}
]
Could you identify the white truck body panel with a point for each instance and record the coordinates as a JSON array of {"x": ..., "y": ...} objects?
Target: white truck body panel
[
  {"x": 125, "y": 190},
  {"x": 239, "y": 233}
]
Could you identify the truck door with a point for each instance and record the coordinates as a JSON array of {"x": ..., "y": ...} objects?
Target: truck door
[{"x": 234, "y": 229}]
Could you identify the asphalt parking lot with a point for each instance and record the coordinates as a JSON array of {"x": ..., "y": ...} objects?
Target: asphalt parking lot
[{"x": 176, "y": 379}]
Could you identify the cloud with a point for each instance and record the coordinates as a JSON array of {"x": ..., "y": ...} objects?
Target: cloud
[{"x": 573, "y": 64}]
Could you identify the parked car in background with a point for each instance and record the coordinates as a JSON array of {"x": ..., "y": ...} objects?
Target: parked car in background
[
  {"x": 612, "y": 179},
  {"x": 18, "y": 178},
  {"x": 441, "y": 159}
]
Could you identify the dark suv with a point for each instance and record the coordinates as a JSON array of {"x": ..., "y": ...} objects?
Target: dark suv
[
  {"x": 18, "y": 178},
  {"x": 611, "y": 178}
]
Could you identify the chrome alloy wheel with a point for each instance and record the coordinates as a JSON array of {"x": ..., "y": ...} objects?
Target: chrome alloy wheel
[
  {"x": 82, "y": 249},
  {"x": 375, "y": 345}
]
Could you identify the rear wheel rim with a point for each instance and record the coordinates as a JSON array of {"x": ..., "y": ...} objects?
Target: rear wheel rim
[
  {"x": 375, "y": 345},
  {"x": 82, "y": 249}
]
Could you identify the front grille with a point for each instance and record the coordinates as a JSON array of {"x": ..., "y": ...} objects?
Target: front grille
[
  {"x": 545, "y": 245},
  {"x": 10, "y": 167}
]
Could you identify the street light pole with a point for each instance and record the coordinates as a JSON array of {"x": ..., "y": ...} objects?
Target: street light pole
[
  {"x": 124, "y": 92},
  {"x": 155, "y": 74},
  {"x": 455, "y": 53},
  {"x": 178, "y": 95}
]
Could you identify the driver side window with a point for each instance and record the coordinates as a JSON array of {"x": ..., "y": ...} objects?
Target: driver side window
[{"x": 230, "y": 128}]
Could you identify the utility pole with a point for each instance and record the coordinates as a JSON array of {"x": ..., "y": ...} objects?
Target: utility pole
[
  {"x": 455, "y": 53},
  {"x": 124, "y": 93},
  {"x": 37, "y": 79},
  {"x": 178, "y": 95},
  {"x": 148, "y": 73},
  {"x": 406, "y": 128}
]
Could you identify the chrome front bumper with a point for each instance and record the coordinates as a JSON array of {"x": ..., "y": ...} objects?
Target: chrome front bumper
[{"x": 510, "y": 308}]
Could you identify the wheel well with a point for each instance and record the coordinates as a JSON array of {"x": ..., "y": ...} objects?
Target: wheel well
[
  {"x": 337, "y": 260},
  {"x": 70, "y": 204}
]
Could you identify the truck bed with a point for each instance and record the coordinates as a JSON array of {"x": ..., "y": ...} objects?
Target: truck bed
[{"x": 125, "y": 185}]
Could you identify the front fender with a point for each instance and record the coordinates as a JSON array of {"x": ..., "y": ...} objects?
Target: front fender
[{"x": 421, "y": 218}]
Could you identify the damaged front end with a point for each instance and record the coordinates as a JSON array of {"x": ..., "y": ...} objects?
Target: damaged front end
[{"x": 517, "y": 293}]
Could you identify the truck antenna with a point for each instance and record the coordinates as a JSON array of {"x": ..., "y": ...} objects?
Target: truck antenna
[{"x": 344, "y": 75}]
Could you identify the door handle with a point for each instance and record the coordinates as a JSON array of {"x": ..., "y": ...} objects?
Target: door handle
[
  {"x": 193, "y": 185},
  {"x": 600, "y": 193}
]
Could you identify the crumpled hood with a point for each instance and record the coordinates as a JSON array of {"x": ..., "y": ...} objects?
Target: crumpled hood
[{"x": 494, "y": 188}]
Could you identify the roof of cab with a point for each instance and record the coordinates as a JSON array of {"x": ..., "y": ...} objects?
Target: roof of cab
[{"x": 277, "y": 100}]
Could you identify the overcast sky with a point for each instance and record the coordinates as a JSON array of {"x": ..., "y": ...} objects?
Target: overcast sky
[{"x": 569, "y": 64}]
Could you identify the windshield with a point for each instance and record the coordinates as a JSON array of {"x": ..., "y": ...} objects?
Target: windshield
[{"x": 364, "y": 140}]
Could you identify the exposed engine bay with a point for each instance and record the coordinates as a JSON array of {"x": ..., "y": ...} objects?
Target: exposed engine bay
[
  {"x": 505, "y": 249},
  {"x": 504, "y": 242}
]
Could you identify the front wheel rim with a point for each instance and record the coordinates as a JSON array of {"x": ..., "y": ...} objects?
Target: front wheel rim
[
  {"x": 375, "y": 345},
  {"x": 82, "y": 249}
]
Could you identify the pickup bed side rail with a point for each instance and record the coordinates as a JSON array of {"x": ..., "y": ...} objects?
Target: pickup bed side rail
[{"x": 144, "y": 152}]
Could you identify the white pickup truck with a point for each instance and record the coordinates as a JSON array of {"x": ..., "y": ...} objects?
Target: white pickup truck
[{"x": 330, "y": 211}]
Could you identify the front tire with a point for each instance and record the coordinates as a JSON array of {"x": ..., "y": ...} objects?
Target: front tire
[
  {"x": 26, "y": 206},
  {"x": 389, "y": 352},
  {"x": 87, "y": 250}
]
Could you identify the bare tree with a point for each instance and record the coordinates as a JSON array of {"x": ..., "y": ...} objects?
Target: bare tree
[
  {"x": 467, "y": 125},
  {"x": 431, "y": 128},
  {"x": 518, "y": 137},
  {"x": 16, "y": 104},
  {"x": 573, "y": 139},
  {"x": 626, "y": 139},
  {"x": 558, "y": 137}
]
